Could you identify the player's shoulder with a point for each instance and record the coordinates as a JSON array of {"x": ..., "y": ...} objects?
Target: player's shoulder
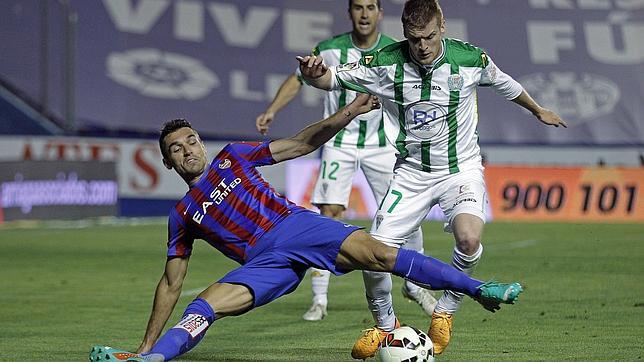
[
  {"x": 386, "y": 40},
  {"x": 464, "y": 53},
  {"x": 339, "y": 41},
  {"x": 394, "y": 53}
]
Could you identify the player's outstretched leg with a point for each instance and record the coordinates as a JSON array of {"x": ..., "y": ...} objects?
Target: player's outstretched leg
[{"x": 435, "y": 274}]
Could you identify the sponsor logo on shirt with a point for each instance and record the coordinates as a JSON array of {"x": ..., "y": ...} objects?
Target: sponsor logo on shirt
[
  {"x": 425, "y": 120},
  {"x": 217, "y": 196}
]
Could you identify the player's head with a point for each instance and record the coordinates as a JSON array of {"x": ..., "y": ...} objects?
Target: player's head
[
  {"x": 365, "y": 16},
  {"x": 424, "y": 27},
  {"x": 182, "y": 149}
]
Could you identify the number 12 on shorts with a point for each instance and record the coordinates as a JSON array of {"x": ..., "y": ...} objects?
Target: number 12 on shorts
[{"x": 391, "y": 208}]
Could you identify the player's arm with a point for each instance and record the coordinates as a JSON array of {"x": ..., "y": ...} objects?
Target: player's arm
[
  {"x": 315, "y": 135},
  {"x": 165, "y": 298},
  {"x": 544, "y": 115},
  {"x": 315, "y": 72},
  {"x": 288, "y": 90}
]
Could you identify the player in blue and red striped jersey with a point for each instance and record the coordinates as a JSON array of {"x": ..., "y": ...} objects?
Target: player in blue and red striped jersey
[{"x": 232, "y": 208}]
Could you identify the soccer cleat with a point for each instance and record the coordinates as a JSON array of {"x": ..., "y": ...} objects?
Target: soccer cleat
[
  {"x": 440, "y": 331},
  {"x": 317, "y": 312},
  {"x": 106, "y": 353},
  {"x": 423, "y": 297},
  {"x": 492, "y": 294},
  {"x": 367, "y": 345}
]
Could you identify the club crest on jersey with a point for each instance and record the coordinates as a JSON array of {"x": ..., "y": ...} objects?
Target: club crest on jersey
[
  {"x": 368, "y": 59},
  {"x": 347, "y": 67},
  {"x": 455, "y": 82},
  {"x": 225, "y": 164}
]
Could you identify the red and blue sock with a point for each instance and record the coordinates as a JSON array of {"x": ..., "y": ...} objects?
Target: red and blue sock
[{"x": 181, "y": 338}]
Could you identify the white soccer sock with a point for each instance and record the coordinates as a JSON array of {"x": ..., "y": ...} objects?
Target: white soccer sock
[
  {"x": 378, "y": 291},
  {"x": 415, "y": 242},
  {"x": 450, "y": 301},
  {"x": 320, "y": 285}
]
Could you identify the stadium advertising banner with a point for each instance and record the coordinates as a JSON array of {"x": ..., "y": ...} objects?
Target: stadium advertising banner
[
  {"x": 219, "y": 63},
  {"x": 577, "y": 194},
  {"x": 570, "y": 194},
  {"x": 38, "y": 190},
  {"x": 145, "y": 186}
]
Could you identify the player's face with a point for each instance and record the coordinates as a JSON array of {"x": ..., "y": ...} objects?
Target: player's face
[
  {"x": 365, "y": 16},
  {"x": 425, "y": 43},
  {"x": 185, "y": 153}
]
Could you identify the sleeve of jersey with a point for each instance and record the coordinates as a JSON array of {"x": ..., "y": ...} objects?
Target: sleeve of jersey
[
  {"x": 503, "y": 84},
  {"x": 179, "y": 240},
  {"x": 356, "y": 77},
  {"x": 256, "y": 153}
]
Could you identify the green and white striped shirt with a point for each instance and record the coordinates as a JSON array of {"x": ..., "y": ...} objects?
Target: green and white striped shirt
[
  {"x": 430, "y": 111},
  {"x": 367, "y": 130}
]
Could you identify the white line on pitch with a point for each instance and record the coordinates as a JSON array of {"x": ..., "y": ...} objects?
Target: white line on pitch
[{"x": 192, "y": 292}]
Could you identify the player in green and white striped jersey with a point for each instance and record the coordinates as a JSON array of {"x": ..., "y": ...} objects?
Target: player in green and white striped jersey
[
  {"x": 362, "y": 144},
  {"x": 427, "y": 85}
]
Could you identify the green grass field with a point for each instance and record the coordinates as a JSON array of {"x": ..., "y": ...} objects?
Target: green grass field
[{"x": 65, "y": 289}]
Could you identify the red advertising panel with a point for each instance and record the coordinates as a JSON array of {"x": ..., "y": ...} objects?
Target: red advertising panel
[{"x": 566, "y": 194}]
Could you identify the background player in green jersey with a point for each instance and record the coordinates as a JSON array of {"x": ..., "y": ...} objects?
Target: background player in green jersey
[
  {"x": 428, "y": 88},
  {"x": 362, "y": 144}
]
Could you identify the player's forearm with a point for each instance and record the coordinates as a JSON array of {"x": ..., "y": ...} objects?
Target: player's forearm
[
  {"x": 322, "y": 82},
  {"x": 525, "y": 100},
  {"x": 317, "y": 134},
  {"x": 288, "y": 90},
  {"x": 165, "y": 299}
]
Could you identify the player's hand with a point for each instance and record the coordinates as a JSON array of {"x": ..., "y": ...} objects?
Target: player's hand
[
  {"x": 263, "y": 122},
  {"x": 550, "y": 118},
  {"x": 312, "y": 66},
  {"x": 365, "y": 103}
]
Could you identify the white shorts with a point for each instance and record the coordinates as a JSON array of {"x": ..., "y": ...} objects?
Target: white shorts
[
  {"x": 412, "y": 193},
  {"x": 338, "y": 167}
]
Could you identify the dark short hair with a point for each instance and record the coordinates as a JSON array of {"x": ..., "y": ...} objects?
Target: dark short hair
[
  {"x": 418, "y": 13},
  {"x": 169, "y": 127},
  {"x": 377, "y": 3}
]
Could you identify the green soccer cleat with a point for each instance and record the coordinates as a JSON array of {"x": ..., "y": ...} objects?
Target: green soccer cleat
[
  {"x": 106, "y": 353},
  {"x": 492, "y": 294}
]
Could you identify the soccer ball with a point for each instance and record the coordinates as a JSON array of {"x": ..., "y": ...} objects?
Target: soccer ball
[{"x": 406, "y": 344}]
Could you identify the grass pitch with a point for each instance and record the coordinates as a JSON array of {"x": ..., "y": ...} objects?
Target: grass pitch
[{"x": 65, "y": 289}]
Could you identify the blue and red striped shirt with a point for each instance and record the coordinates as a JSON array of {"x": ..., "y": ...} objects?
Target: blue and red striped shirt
[{"x": 231, "y": 206}]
